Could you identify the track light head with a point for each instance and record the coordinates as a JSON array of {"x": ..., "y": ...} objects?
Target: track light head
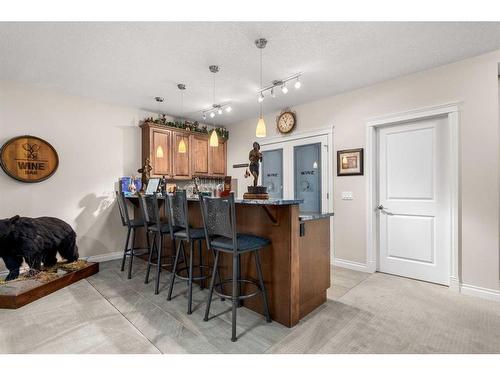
[
  {"x": 212, "y": 114},
  {"x": 297, "y": 84},
  {"x": 284, "y": 89},
  {"x": 228, "y": 109},
  {"x": 260, "y": 99},
  {"x": 204, "y": 116}
]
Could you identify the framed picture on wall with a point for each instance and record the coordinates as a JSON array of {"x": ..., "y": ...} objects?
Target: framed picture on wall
[{"x": 350, "y": 162}]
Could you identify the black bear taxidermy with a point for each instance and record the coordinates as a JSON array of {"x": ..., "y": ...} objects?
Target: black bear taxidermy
[{"x": 37, "y": 241}]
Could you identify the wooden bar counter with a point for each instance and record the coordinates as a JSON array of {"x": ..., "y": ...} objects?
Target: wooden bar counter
[{"x": 296, "y": 265}]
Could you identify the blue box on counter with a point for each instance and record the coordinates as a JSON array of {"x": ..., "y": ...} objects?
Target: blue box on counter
[{"x": 126, "y": 185}]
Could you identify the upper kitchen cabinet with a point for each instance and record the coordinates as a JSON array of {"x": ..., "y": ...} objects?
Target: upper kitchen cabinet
[
  {"x": 181, "y": 155},
  {"x": 157, "y": 145},
  {"x": 162, "y": 145},
  {"x": 217, "y": 160},
  {"x": 199, "y": 154}
]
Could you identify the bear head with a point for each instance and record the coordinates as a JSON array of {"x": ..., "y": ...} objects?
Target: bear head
[{"x": 6, "y": 226}]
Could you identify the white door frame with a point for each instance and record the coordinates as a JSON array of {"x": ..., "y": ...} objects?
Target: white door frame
[
  {"x": 452, "y": 112},
  {"x": 328, "y": 131}
]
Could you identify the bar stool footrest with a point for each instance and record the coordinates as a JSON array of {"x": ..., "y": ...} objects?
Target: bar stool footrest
[
  {"x": 195, "y": 278},
  {"x": 240, "y": 281},
  {"x": 154, "y": 263}
]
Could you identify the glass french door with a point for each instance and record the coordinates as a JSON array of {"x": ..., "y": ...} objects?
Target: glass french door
[
  {"x": 307, "y": 175},
  {"x": 304, "y": 165},
  {"x": 272, "y": 172}
]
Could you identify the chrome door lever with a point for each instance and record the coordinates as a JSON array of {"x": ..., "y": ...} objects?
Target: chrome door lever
[{"x": 383, "y": 209}]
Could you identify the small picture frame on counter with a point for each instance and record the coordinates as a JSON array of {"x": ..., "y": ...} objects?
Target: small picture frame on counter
[
  {"x": 350, "y": 162},
  {"x": 152, "y": 186}
]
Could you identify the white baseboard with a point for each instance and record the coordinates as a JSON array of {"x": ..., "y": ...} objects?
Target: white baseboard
[
  {"x": 454, "y": 284},
  {"x": 356, "y": 266},
  {"x": 93, "y": 258},
  {"x": 477, "y": 291}
]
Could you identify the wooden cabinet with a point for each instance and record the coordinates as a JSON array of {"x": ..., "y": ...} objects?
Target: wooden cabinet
[
  {"x": 161, "y": 145},
  {"x": 181, "y": 160},
  {"x": 217, "y": 160},
  {"x": 199, "y": 154},
  {"x": 160, "y": 153}
]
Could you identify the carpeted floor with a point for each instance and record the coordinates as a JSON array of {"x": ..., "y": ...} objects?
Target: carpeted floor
[{"x": 390, "y": 314}]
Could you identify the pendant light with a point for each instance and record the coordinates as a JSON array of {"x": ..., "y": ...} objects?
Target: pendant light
[
  {"x": 159, "y": 149},
  {"x": 214, "y": 139},
  {"x": 261, "y": 131},
  {"x": 182, "y": 145}
]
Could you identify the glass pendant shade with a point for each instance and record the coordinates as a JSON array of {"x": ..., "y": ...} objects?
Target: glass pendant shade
[
  {"x": 214, "y": 139},
  {"x": 159, "y": 152},
  {"x": 260, "y": 131},
  {"x": 182, "y": 146}
]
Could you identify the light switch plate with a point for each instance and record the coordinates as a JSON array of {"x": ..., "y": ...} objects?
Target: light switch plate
[{"x": 347, "y": 196}]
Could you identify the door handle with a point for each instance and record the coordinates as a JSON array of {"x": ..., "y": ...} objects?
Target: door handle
[{"x": 383, "y": 209}]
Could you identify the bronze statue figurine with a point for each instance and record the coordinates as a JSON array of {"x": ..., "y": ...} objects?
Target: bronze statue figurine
[
  {"x": 146, "y": 174},
  {"x": 255, "y": 156},
  {"x": 255, "y": 191}
]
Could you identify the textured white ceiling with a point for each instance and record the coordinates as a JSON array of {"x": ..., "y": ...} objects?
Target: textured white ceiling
[{"x": 131, "y": 63}]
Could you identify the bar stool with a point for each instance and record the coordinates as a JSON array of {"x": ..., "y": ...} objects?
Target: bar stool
[
  {"x": 219, "y": 220},
  {"x": 180, "y": 218},
  {"x": 132, "y": 225},
  {"x": 154, "y": 226}
]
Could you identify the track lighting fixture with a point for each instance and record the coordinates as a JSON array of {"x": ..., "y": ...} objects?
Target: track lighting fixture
[
  {"x": 212, "y": 114},
  {"x": 280, "y": 83},
  {"x": 260, "y": 98},
  {"x": 297, "y": 84}
]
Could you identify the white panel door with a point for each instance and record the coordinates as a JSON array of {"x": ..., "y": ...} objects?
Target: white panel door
[{"x": 414, "y": 200}]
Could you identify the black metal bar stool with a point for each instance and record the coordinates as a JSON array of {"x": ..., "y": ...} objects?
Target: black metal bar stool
[
  {"x": 180, "y": 218},
  {"x": 132, "y": 225},
  {"x": 155, "y": 227},
  {"x": 219, "y": 220}
]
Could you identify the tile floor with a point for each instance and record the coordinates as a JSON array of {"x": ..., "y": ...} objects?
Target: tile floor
[{"x": 365, "y": 313}]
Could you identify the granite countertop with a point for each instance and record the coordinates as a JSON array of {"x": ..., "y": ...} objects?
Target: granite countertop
[
  {"x": 308, "y": 216},
  {"x": 262, "y": 202},
  {"x": 271, "y": 202}
]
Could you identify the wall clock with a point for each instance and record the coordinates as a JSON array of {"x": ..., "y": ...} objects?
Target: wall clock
[{"x": 286, "y": 121}]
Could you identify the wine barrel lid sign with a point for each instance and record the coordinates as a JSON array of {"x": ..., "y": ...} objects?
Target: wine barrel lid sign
[{"x": 28, "y": 159}]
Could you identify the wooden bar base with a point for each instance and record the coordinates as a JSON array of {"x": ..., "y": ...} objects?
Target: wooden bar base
[
  {"x": 296, "y": 266},
  {"x": 39, "y": 289}
]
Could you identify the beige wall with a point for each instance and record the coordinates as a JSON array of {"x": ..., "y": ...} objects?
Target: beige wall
[
  {"x": 473, "y": 83},
  {"x": 96, "y": 142}
]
